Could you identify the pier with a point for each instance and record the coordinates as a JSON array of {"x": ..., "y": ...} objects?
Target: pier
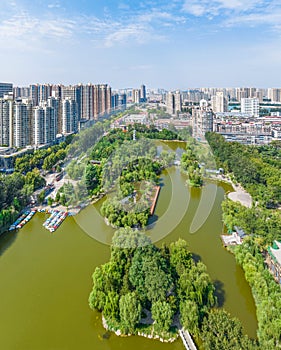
[
  {"x": 152, "y": 208},
  {"x": 187, "y": 340}
]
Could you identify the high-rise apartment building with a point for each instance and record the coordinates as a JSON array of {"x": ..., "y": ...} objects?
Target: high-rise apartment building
[
  {"x": 170, "y": 103},
  {"x": 6, "y": 112},
  {"x": 45, "y": 91},
  {"x": 38, "y": 126},
  {"x": 219, "y": 102},
  {"x": 21, "y": 123},
  {"x": 59, "y": 110},
  {"x": 242, "y": 93},
  {"x": 44, "y": 125},
  {"x": 95, "y": 100},
  {"x": 55, "y": 103},
  {"x": 34, "y": 94},
  {"x": 274, "y": 94},
  {"x": 21, "y": 92},
  {"x": 202, "y": 120},
  {"x": 173, "y": 102},
  {"x": 57, "y": 91},
  {"x": 178, "y": 102},
  {"x": 136, "y": 96},
  {"x": 69, "y": 116},
  {"x": 50, "y": 124},
  {"x": 5, "y": 88},
  {"x": 250, "y": 106}
]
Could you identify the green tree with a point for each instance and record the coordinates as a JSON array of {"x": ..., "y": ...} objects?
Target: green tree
[
  {"x": 189, "y": 316},
  {"x": 50, "y": 201},
  {"x": 221, "y": 332},
  {"x": 41, "y": 197},
  {"x": 130, "y": 312},
  {"x": 162, "y": 314}
]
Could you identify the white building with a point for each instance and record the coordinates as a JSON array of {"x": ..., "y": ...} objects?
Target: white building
[
  {"x": 6, "y": 114},
  {"x": 250, "y": 106},
  {"x": 69, "y": 116},
  {"x": 39, "y": 126},
  {"x": 21, "y": 122}
]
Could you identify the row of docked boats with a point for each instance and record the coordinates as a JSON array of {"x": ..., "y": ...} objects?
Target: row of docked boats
[
  {"x": 22, "y": 220},
  {"x": 55, "y": 220}
]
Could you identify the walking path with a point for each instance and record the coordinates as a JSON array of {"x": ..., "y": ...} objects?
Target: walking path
[{"x": 187, "y": 340}]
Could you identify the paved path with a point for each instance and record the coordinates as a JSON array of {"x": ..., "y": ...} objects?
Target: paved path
[
  {"x": 242, "y": 197},
  {"x": 187, "y": 340},
  {"x": 239, "y": 194}
]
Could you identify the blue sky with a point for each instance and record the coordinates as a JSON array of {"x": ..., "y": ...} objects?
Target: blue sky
[{"x": 170, "y": 44}]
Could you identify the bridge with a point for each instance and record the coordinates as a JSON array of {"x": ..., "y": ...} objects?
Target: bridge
[{"x": 187, "y": 340}]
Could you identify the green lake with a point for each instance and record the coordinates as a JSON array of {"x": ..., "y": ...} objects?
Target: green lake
[{"x": 46, "y": 277}]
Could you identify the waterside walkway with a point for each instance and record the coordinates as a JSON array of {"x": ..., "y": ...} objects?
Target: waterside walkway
[{"x": 187, "y": 340}]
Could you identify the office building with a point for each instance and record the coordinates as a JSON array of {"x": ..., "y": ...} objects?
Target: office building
[{"x": 143, "y": 93}]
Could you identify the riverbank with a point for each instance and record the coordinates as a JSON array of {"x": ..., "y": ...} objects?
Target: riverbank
[{"x": 141, "y": 333}]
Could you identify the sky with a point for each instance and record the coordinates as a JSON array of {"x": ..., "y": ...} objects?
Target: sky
[{"x": 170, "y": 44}]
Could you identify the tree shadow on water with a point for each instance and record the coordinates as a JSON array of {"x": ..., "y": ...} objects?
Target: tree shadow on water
[
  {"x": 196, "y": 258},
  {"x": 219, "y": 292},
  {"x": 152, "y": 220},
  {"x": 6, "y": 240}
]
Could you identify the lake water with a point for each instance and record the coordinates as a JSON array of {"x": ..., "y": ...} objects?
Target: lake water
[{"x": 46, "y": 278}]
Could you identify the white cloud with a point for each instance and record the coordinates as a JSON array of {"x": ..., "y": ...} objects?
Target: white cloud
[
  {"x": 216, "y": 7},
  {"x": 24, "y": 26},
  {"x": 138, "y": 28},
  {"x": 272, "y": 20},
  {"x": 54, "y": 5},
  {"x": 238, "y": 13},
  {"x": 132, "y": 33}
]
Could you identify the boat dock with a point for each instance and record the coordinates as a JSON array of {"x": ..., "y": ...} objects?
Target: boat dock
[
  {"x": 187, "y": 340},
  {"x": 22, "y": 220},
  {"x": 55, "y": 220}
]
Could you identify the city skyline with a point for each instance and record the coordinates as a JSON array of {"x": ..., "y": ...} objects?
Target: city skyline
[{"x": 169, "y": 44}]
